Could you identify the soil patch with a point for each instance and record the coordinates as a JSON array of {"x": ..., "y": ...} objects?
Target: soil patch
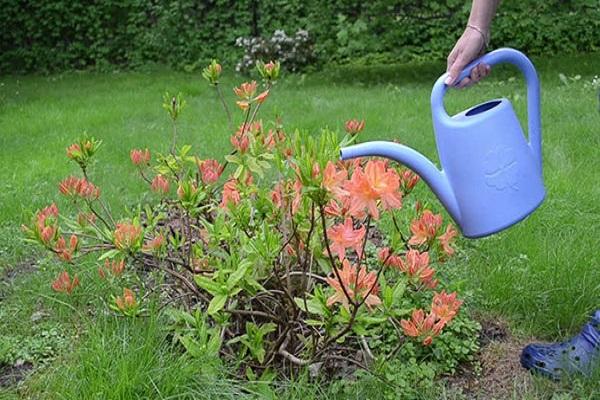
[
  {"x": 9, "y": 274},
  {"x": 497, "y": 373},
  {"x": 11, "y": 375}
]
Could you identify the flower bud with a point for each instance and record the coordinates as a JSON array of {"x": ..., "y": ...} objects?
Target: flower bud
[{"x": 212, "y": 73}]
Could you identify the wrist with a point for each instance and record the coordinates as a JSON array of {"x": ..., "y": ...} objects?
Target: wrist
[{"x": 483, "y": 32}]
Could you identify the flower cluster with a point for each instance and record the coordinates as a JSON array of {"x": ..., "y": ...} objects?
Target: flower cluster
[
  {"x": 64, "y": 283},
  {"x": 140, "y": 157},
  {"x": 354, "y": 126},
  {"x": 246, "y": 92},
  {"x": 128, "y": 236},
  {"x": 44, "y": 227},
  {"x": 415, "y": 265},
  {"x": 126, "y": 303},
  {"x": 82, "y": 151},
  {"x": 352, "y": 285},
  {"x": 425, "y": 327},
  {"x": 427, "y": 228},
  {"x": 113, "y": 267},
  {"x": 74, "y": 187},
  {"x": 375, "y": 184}
]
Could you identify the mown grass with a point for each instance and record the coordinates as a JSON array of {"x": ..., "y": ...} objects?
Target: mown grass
[{"x": 541, "y": 274}]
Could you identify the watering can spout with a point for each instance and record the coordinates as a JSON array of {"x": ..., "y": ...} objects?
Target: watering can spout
[{"x": 435, "y": 179}]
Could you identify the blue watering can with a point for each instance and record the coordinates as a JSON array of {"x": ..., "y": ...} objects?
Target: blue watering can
[{"x": 491, "y": 177}]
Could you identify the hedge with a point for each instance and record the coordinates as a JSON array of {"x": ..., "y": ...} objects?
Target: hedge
[{"x": 51, "y": 35}]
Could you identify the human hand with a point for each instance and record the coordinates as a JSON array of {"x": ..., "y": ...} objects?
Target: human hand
[{"x": 470, "y": 45}]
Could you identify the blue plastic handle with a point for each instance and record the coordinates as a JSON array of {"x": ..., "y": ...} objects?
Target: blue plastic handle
[{"x": 500, "y": 56}]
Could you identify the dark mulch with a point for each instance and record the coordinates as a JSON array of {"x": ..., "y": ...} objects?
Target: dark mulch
[{"x": 10, "y": 375}]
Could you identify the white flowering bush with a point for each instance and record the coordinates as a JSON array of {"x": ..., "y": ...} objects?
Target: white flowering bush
[{"x": 294, "y": 52}]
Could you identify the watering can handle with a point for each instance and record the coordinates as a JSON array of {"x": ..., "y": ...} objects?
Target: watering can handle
[{"x": 500, "y": 56}]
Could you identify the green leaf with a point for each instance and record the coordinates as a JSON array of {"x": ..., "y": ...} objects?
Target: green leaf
[
  {"x": 216, "y": 304},
  {"x": 232, "y": 159},
  {"x": 312, "y": 306},
  {"x": 214, "y": 344},
  {"x": 238, "y": 172},
  {"x": 260, "y": 354},
  {"x": 238, "y": 274},
  {"x": 109, "y": 254},
  {"x": 209, "y": 285},
  {"x": 399, "y": 291},
  {"x": 184, "y": 150},
  {"x": 360, "y": 330}
]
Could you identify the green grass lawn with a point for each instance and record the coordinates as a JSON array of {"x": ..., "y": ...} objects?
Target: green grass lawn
[{"x": 542, "y": 275}]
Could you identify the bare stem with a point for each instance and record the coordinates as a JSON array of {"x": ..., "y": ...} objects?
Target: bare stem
[
  {"x": 330, "y": 255},
  {"x": 225, "y": 107}
]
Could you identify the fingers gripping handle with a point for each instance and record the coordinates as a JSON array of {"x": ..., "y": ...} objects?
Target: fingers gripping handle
[{"x": 500, "y": 56}]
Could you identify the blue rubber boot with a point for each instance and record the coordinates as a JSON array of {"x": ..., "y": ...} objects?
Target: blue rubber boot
[{"x": 577, "y": 355}]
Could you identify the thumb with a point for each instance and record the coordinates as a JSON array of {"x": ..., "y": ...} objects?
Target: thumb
[{"x": 454, "y": 70}]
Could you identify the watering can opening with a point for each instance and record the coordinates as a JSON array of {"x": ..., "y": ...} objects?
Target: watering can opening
[{"x": 481, "y": 108}]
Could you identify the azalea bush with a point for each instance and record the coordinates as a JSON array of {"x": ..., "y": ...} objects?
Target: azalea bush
[{"x": 280, "y": 256}]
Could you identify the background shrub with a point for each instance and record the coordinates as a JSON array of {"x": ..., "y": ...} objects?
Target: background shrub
[{"x": 59, "y": 34}]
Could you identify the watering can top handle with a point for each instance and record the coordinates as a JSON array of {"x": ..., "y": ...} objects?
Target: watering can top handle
[{"x": 500, "y": 56}]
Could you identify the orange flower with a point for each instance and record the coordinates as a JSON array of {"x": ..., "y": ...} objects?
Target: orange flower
[
  {"x": 344, "y": 207},
  {"x": 115, "y": 267},
  {"x": 154, "y": 244},
  {"x": 73, "y": 186},
  {"x": 231, "y": 195},
  {"x": 445, "y": 307},
  {"x": 357, "y": 287},
  {"x": 243, "y": 104},
  {"x": 246, "y": 90},
  {"x": 210, "y": 171},
  {"x": 44, "y": 225},
  {"x": 386, "y": 258},
  {"x": 421, "y": 327},
  {"x": 446, "y": 238},
  {"x": 277, "y": 195},
  {"x": 377, "y": 182},
  {"x": 333, "y": 180},
  {"x": 241, "y": 139},
  {"x": 64, "y": 284},
  {"x": 126, "y": 302},
  {"x": 74, "y": 151},
  {"x": 262, "y": 97},
  {"x": 273, "y": 138},
  {"x": 160, "y": 185},
  {"x": 425, "y": 228},
  {"x": 344, "y": 236},
  {"x": 408, "y": 180},
  {"x": 287, "y": 196},
  {"x": 127, "y": 236},
  {"x": 417, "y": 267},
  {"x": 139, "y": 157},
  {"x": 354, "y": 126},
  {"x": 63, "y": 251}
]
